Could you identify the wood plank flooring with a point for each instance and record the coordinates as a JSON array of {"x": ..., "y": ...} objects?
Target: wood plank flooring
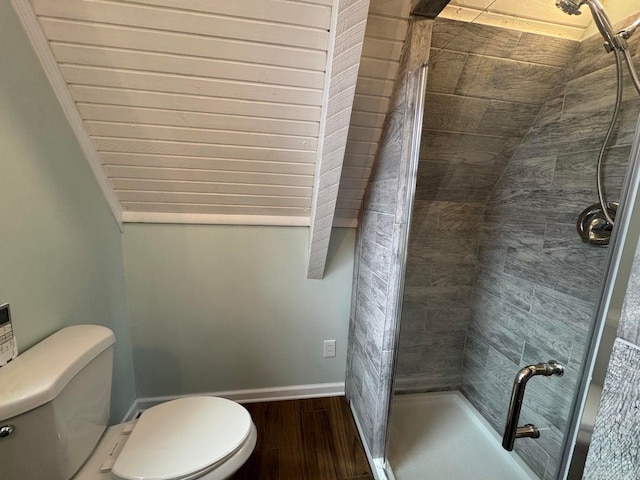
[{"x": 312, "y": 439}]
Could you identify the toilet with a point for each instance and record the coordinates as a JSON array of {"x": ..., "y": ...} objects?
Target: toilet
[{"x": 54, "y": 410}]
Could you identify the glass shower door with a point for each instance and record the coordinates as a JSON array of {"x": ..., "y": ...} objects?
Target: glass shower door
[{"x": 497, "y": 277}]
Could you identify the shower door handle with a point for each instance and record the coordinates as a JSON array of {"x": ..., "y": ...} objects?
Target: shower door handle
[{"x": 512, "y": 430}]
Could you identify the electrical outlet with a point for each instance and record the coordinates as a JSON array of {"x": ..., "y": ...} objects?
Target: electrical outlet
[{"x": 329, "y": 348}]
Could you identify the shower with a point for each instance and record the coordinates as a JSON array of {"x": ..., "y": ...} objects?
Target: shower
[
  {"x": 596, "y": 221},
  {"x": 462, "y": 279}
]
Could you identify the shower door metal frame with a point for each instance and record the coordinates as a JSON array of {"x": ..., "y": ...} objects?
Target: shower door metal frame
[
  {"x": 623, "y": 221},
  {"x": 419, "y": 96},
  {"x": 621, "y": 228}
]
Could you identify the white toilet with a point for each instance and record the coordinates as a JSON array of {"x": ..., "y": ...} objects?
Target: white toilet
[{"x": 54, "y": 407}]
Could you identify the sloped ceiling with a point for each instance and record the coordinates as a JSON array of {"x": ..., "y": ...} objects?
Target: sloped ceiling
[
  {"x": 245, "y": 112},
  {"x": 197, "y": 107}
]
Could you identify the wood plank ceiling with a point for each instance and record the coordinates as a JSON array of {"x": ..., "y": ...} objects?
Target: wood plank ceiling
[{"x": 198, "y": 107}]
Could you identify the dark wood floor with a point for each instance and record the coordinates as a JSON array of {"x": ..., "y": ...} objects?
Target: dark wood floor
[{"x": 314, "y": 439}]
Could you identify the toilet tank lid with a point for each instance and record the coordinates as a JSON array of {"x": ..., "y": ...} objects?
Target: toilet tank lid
[{"x": 38, "y": 375}]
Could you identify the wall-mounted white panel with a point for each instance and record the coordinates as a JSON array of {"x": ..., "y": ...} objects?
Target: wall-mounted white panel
[
  {"x": 127, "y": 196},
  {"x": 195, "y": 103},
  {"x": 177, "y": 20},
  {"x": 182, "y": 44},
  {"x": 200, "y": 135},
  {"x": 290, "y": 12},
  {"x": 182, "y": 65},
  {"x": 209, "y": 187},
  {"x": 124, "y": 145},
  {"x": 141, "y": 80},
  {"x": 168, "y": 117},
  {"x": 206, "y": 163},
  {"x": 195, "y": 175},
  {"x": 258, "y": 211}
]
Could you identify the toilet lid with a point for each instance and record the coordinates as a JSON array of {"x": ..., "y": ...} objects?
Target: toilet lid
[{"x": 179, "y": 438}]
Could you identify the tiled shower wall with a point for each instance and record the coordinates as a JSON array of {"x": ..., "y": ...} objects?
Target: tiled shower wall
[
  {"x": 534, "y": 285},
  {"x": 379, "y": 250},
  {"x": 486, "y": 86},
  {"x": 537, "y": 285},
  {"x": 615, "y": 446}
]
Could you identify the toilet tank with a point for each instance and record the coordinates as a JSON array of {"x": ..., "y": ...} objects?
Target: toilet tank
[{"x": 56, "y": 396}]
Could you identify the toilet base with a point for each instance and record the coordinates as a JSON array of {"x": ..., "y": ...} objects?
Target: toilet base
[{"x": 114, "y": 439}]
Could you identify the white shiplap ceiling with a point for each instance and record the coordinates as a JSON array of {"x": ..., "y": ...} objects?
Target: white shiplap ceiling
[{"x": 194, "y": 106}]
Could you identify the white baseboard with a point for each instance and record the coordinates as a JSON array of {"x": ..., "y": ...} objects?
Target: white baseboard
[
  {"x": 376, "y": 464},
  {"x": 292, "y": 392}
]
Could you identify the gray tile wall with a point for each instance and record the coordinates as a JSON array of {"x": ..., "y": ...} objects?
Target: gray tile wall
[
  {"x": 486, "y": 86},
  {"x": 615, "y": 446},
  {"x": 536, "y": 284},
  {"x": 379, "y": 250}
]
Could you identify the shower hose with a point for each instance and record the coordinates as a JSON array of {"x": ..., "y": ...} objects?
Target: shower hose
[{"x": 614, "y": 118}]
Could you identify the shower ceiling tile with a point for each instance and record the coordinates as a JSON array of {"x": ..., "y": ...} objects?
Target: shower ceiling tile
[
  {"x": 508, "y": 80},
  {"x": 545, "y": 50},
  {"x": 445, "y": 68},
  {"x": 472, "y": 38}
]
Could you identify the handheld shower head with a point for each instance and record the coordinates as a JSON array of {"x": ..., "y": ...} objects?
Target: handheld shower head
[{"x": 570, "y": 7}]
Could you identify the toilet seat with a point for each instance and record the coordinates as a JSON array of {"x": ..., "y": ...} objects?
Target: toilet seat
[{"x": 183, "y": 439}]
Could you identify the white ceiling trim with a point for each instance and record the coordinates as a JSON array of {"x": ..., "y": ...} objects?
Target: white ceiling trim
[
  {"x": 43, "y": 52},
  {"x": 213, "y": 219},
  {"x": 349, "y": 19}
]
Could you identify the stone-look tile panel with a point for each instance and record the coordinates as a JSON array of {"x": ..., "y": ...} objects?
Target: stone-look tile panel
[
  {"x": 508, "y": 80},
  {"x": 445, "y": 68},
  {"x": 474, "y": 38},
  {"x": 615, "y": 445},
  {"x": 544, "y": 50},
  {"x": 507, "y": 119},
  {"x": 467, "y": 143},
  {"x": 537, "y": 289},
  {"x": 453, "y": 113},
  {"x": 629, "y": 328},
  {"x": 382, "y": 226}
]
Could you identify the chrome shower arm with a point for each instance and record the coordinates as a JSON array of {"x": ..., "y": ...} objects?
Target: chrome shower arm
[{"x": 630, "y": 30}]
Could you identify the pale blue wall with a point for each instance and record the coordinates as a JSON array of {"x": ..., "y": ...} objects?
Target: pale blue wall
[
  {"x": 218, "y": 308},
  {"x": 61, "y": 260}
]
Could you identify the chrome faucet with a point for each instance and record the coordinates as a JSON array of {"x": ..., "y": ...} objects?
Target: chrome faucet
[{"x": 512, "y": 430}]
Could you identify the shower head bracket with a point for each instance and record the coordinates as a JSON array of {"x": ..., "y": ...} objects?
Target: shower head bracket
[{"x": 593, "y": 227}]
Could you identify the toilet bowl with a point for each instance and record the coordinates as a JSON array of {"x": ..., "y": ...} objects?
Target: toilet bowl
[
  {"x": 204, "y": 438},
  {"x": 54, "y": 409}
]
